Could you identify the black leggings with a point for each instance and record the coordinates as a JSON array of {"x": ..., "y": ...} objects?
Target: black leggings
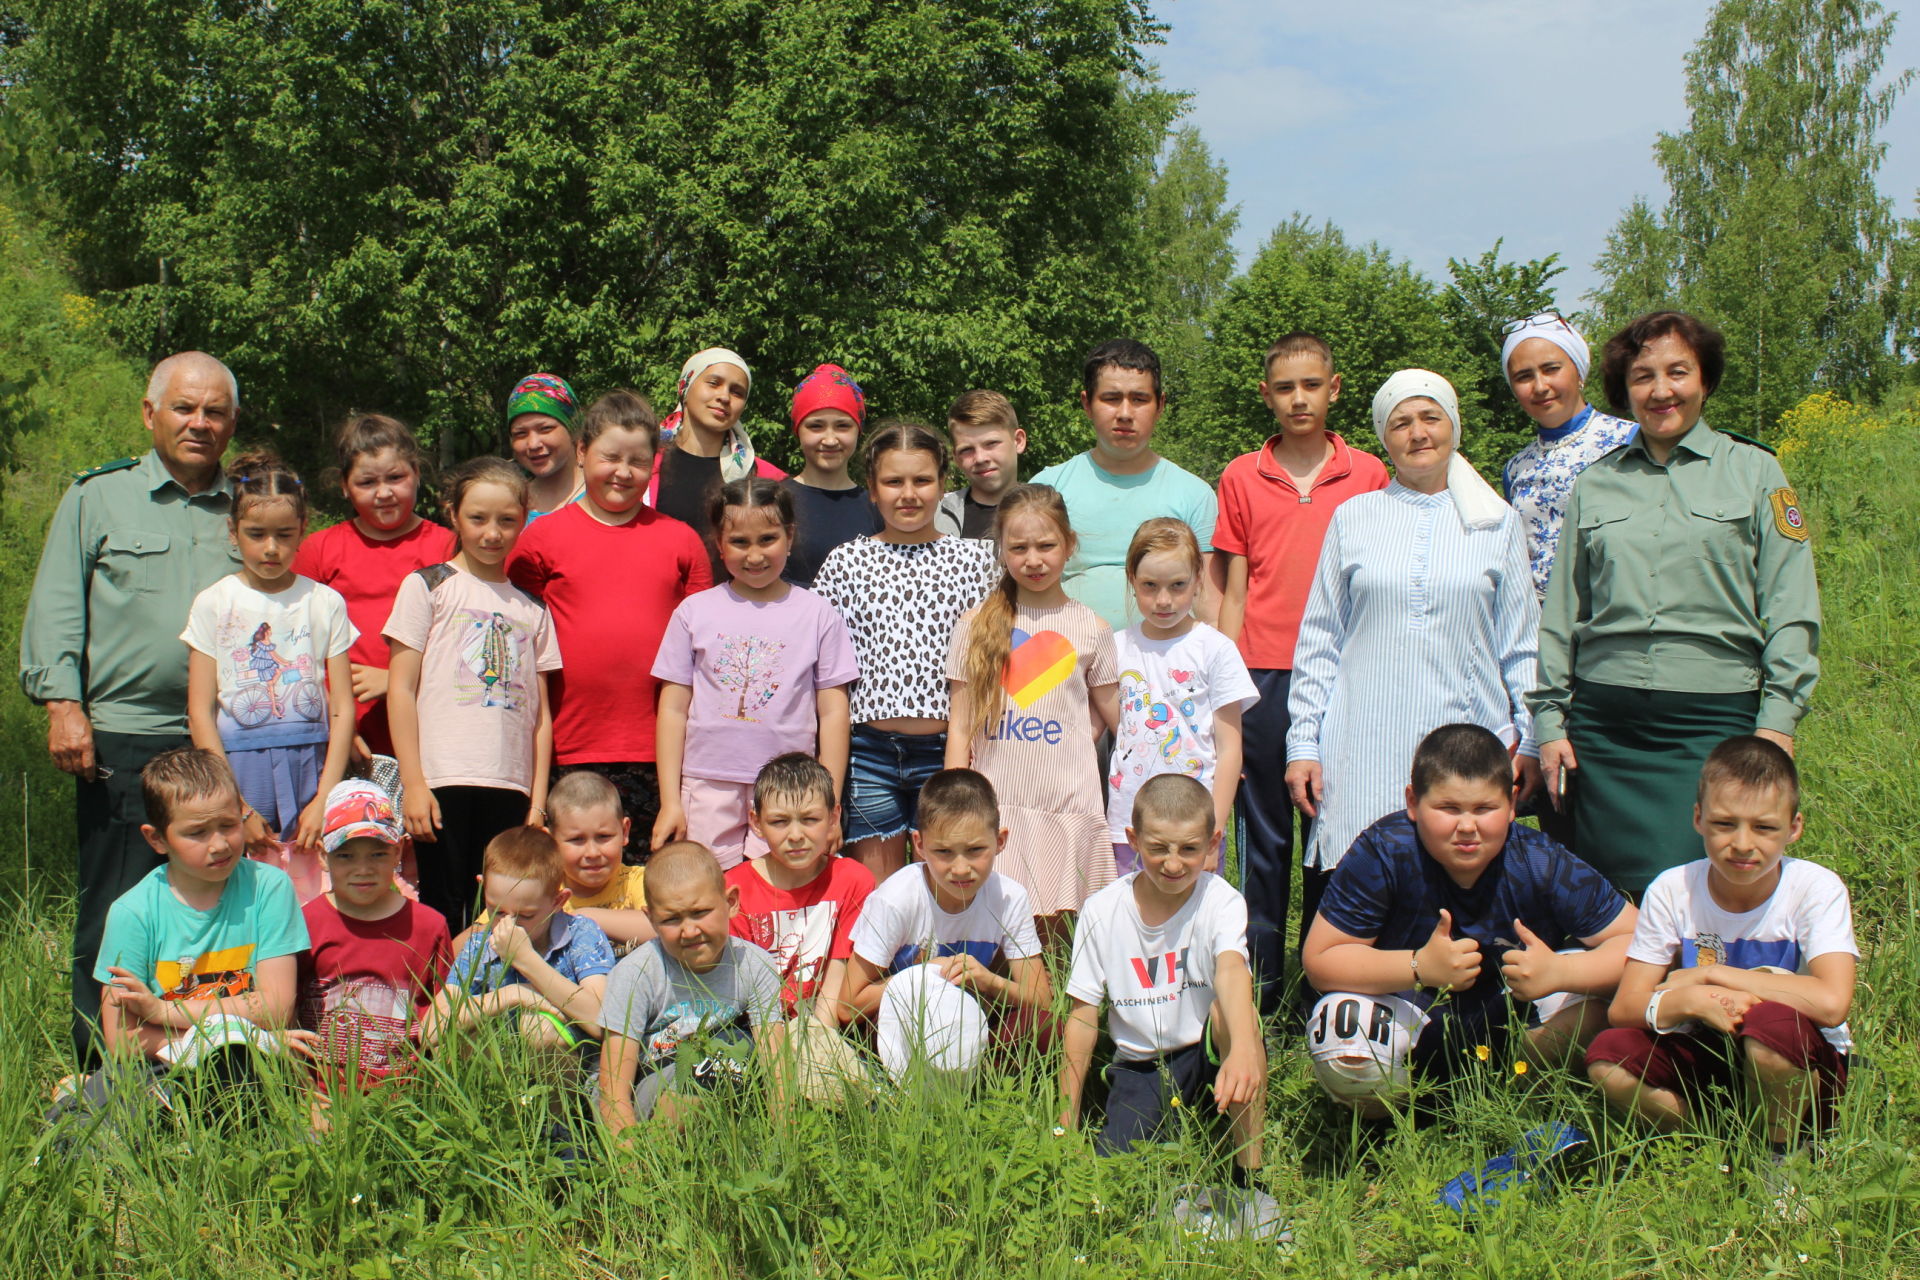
[{"x": 470, "y": 817}]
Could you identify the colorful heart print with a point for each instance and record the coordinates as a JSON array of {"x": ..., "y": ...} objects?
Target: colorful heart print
[{"x": 1037, "y": 665}]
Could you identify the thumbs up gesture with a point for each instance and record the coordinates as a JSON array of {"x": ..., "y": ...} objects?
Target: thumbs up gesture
[
  {"x": 1533, "y": 969},
  {"x": 1447, "y": 961}
]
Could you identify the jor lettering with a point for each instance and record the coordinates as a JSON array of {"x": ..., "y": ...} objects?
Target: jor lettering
[{"x": 1014, "y": 727}]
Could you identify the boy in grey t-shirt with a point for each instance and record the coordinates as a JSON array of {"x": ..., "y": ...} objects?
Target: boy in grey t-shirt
[{"x": 680, "y": 1013}]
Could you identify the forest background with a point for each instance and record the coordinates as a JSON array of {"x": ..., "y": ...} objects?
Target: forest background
[{"x": 404, "y": 205}]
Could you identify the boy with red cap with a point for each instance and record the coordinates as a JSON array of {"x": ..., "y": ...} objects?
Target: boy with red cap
[{"x": 828, "y": 507}]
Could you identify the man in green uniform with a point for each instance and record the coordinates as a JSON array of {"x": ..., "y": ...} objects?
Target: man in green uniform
[{"x": 130, "y": 546}]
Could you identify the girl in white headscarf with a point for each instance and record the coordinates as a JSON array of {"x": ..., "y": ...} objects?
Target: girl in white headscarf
[
  {"x": 1546, "y": 363},
  {"x": 702, "y": 444},
  {"x": 1422, "y": 614}
]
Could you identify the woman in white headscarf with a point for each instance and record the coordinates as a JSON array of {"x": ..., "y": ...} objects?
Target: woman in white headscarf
[
  {"x": 1546, "y": 363},
  {"x": 1422, "y": 614}
]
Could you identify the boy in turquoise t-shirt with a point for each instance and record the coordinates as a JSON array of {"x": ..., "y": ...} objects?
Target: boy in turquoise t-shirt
[{"x": 203, "y": 952}]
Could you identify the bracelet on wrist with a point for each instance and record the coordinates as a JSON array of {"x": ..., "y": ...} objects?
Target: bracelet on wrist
[
  {"x": 1413, "y": 958},
  {"x": 1653, "y": 1013}
]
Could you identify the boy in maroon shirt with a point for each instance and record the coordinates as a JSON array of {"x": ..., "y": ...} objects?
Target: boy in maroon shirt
[{"x": 1275, "y": 506}]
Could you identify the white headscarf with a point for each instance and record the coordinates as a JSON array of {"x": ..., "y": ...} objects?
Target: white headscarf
[
  {"x": 1479, "y": 507},
  {"x": 736, "y": 454},
  {"x": 1555, "y": 330}
]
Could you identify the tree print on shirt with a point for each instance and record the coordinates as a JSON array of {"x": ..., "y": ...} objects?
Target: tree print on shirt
[{"x": 747, "y": 666}]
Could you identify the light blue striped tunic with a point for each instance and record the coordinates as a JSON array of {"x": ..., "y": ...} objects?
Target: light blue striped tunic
[{"x": 1413, "y": 622}]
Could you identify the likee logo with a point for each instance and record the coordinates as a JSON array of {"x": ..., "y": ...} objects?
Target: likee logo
[
  {"x": 1036, "y": 666},
  {"x": 1150, "y": 968}
]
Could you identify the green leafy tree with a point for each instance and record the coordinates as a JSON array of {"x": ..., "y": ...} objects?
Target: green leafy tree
[
  {"x": 1377, "y": 312},
  {"x": 406, "y": 204},
  {"x": 1486, "y": 294},
  {"x": 1189, "y": 244},
  {"x": 1774, "y": 229}
]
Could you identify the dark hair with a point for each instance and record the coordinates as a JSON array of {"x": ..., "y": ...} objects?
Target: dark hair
[
  {"x": 957, "y": 793},
  {"x": 1464, "y": 751},
  {"x": 793, "y": 776},
  {"x": 1298, "y": 343},
  {"x": 484, "y": 469},
  {"x": 365, "y": 433},
  {"x": 627, "y": 409},
  {"x": 1750, "y": 763},
  {"x": 751, "y": 493},
  {"x": 1171, "y": 798},
  {"x": 181, "y": 774},
  {"x": 258, "y": 475},
  {"x": 525, "y": 853},
  {"x": 1120, "y": 353},
  {"x": 897, "y": 435},
  {"x": 1624, "y": 347}
]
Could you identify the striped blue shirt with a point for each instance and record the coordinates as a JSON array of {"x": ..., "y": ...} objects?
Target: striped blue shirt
[{"x": 1413, "y": 622}]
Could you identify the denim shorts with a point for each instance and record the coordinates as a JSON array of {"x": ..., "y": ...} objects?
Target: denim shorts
[{"x": 884, "y": 775}]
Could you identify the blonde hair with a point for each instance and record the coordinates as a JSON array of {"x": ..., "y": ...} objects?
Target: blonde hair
[
  {"x": 581, "y": 792},
  {"x": 990, "y": 637},
  {"x": 981, "y": 410},
  {"x": 1165, "y": 533}
]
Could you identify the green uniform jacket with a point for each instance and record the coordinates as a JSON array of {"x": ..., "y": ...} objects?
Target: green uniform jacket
[
  {"x": 1696, "y": 576},
  {"x": 127, "y": 552}
]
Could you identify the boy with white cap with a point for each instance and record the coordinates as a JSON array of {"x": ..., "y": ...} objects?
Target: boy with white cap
[
  {"x": 1416, "y": 911},
  {"x": 1546, "y": 362},
  {"x": 376, "y": 957}
]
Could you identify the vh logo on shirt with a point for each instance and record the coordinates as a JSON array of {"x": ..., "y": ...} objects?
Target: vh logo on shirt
[{"x": 1163, "y": 979}]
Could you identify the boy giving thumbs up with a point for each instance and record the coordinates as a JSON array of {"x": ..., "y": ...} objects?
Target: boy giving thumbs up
[{"x": 1451, "y": 899}]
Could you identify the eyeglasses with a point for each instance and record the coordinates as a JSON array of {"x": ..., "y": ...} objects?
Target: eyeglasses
[{"x": 1512, "y": 327}]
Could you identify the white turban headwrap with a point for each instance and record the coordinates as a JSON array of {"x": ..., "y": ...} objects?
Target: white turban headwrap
[
  {"x": 1479, "y": 507},
  {"x": 1555, "y": 330},
  {"x": 737, "y": 457}
]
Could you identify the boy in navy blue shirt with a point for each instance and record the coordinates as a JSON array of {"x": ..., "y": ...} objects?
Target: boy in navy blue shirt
[{"x": 1450, "y": 897}]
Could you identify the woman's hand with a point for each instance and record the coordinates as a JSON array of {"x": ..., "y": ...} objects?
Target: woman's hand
[
  {"x": 1304, "y": 785},
  {"x": 1556, "y": 760}
]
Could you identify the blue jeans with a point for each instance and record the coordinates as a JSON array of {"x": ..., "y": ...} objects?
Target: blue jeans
[{"x": 885, "y": 772}]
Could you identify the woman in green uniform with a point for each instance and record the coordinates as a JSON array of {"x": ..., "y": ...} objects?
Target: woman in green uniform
[{"x": 1681, "y": 610}]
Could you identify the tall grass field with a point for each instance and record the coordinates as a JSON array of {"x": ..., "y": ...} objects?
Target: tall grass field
[{"x": 463, "y": 1175}]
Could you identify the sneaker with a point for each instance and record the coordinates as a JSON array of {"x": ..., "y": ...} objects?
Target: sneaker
[
  {"x": 1532, "y": 1160},
  {"x": 1230, "y": 1213}
]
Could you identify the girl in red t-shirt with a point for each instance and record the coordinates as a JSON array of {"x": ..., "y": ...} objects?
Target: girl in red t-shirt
[
  {"x": 611, "y": 570},
  {"x": 365, "y": 558}
]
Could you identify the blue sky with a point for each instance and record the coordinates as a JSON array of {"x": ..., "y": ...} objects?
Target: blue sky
[{"x": 1436, "y": 128}]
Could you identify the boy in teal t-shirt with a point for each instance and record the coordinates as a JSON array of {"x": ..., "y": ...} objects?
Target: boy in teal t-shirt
[{"x": 205, "y": 948}]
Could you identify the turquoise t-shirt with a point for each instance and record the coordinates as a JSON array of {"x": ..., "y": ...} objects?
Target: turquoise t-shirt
[
  {"x": 183, "y": 954},
  {"x": 1106, "y": 509}
]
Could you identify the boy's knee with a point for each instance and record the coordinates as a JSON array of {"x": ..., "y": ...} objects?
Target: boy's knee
[
  {"x": 1767, "y": 1060},
  {"x": 1362, "y": 1047}
]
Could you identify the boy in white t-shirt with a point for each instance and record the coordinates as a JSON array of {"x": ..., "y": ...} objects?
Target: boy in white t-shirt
[
  {"x": 1741, "y": 967},
  {"x": 946, "y": 940},
  {"x": 1166, "y": 948}
]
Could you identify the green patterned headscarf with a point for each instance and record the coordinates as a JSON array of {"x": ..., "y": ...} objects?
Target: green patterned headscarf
[{"x": 546, "y": 393}]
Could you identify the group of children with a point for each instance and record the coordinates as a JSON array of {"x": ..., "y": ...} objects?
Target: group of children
[{"x": 560, "y": 700}]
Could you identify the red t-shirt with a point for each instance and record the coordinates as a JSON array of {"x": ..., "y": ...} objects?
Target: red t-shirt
[
  {"x": 803, "y": 928},
  {"x": 364, "y": 984},
  {"x": 1279, "y": 530},
  {"x": 610, "y": 590},
  {"x": 367, "y": 571}
]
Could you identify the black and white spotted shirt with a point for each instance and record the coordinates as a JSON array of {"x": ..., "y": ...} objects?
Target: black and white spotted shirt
[{"x": 901, "y": 602}]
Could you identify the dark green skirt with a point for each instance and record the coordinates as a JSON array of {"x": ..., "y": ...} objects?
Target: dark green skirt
[{"x": 1640, "y": 752}]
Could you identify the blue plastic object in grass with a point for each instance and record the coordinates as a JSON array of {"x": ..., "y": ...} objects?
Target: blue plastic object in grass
[{"x": 1532, "y": 1160}]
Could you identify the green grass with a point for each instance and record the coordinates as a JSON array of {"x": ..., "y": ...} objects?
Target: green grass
[{"x": 456, "y": 1177}]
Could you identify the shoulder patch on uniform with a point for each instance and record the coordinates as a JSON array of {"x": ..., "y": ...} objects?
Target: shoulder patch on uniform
[
  {"x": 118, "y": 464},
  {"x": 1735, "y": 435},
  {"x": 1787, "y": 517},
  {"x": 435, "y": 574}
]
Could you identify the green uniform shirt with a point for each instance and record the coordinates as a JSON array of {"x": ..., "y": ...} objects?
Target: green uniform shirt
[
  {"x": 127, "y": 552},
  {"x": 1695, "y": 576}
]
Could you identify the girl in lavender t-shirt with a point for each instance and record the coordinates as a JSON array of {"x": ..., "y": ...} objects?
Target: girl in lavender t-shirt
[{"x": 749, "y": 670}]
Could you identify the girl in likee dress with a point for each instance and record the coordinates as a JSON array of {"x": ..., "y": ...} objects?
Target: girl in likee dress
[
  {"x": 1025, "y": 667},
  {"x": 267, "y": 684},
  {"x": 751, "y": 669},
  {"x": 472, "y": 725}
]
